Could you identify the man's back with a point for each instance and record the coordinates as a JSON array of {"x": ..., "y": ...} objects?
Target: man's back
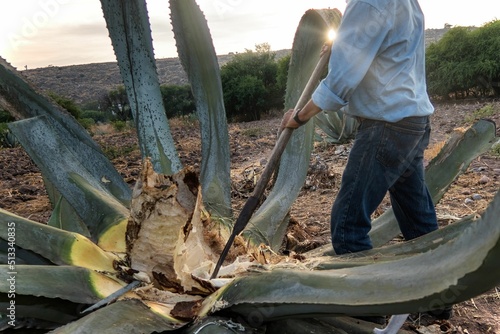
[{"x": 378, "y": 61}]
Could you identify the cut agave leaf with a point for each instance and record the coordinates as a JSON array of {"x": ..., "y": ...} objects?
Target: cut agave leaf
[
  {"x": 170, "y": 236},
  {"x": 85, "y": 191},
  {"x": 268, "y": 225},
  {"x": 76, "y": 284},
  {"x": 126, "y": 317},
  {"x": 21, "y": 99},
  {"x": 161, "y": 207},
  {"x": 460, "y": 269},
  {"x": 130, "y": 34},
  {"x": 198, "y": 57},
  {"x": 60, "y": 247}
]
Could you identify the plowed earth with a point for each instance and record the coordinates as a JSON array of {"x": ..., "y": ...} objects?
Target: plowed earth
[{"x": 22, "y": 191}]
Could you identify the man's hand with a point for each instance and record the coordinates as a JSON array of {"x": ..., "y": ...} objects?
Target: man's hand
[
  {"x": 287, "y": 120},
  {"x": 293, "y": 119}
]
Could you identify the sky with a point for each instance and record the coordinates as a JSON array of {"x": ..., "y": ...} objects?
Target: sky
[{"x": 40, "y": 33}]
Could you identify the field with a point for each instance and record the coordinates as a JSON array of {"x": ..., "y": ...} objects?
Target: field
[{"x": 22, "y": 191}]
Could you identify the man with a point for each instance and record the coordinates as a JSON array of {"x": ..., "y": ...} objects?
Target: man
[{"x": 377, "y": 71}]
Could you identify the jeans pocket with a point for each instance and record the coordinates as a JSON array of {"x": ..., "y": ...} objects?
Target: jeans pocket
[{"x": 400, "y": 144}]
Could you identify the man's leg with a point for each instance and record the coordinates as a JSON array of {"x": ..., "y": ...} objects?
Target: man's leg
[
  {"x": 362, "y": 189},
  {"x": 410, "y": 198},
  {"x": 381, "y": 154}
]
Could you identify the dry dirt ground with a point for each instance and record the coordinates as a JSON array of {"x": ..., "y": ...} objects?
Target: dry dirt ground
[{"x": 22, "y": 191}]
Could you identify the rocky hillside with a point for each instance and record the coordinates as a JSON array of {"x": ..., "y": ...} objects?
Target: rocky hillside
[{"x": 89, "y": 82}]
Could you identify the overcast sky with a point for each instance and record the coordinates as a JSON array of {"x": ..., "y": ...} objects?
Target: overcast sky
[{"x": 39, "y": 33}]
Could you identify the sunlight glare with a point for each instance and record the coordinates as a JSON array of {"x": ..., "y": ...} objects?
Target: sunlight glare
[{"x": 331, "y": 35}]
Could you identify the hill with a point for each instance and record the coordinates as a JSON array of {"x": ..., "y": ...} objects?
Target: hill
[{"x": 89, "y": 82}]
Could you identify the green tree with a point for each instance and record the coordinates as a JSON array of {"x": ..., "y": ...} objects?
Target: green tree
[
  {"x": 116, "y": 102},
  {"x": 249, "y": 82},
  {"x": 487, "y": 62},
  {"x": 465, "y": 62},
  {"x": 178, "y": 100}
]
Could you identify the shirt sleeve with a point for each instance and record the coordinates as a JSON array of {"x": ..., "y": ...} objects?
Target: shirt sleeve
[{"x": 359, "y": 39}]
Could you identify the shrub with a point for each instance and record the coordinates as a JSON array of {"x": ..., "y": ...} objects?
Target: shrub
[
  {"x": 178, "y": 100},
  {"x": 465, "y": 62},
  {"x": 484, "y": 112},
  {"x": 96, "y": 115},
  {"x": 495, "y": 150},
  {"x": 116, "y": 103},
  {"x": 250, "y": 86},
  {"x": 119, "y": 126},
  {"x": 87, "y": 123},
  {"x": 5, "y": 116},
  {"x": 67, "y": 104}
]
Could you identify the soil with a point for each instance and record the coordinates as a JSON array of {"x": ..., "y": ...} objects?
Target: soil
[{"x": 22, "y": 191}]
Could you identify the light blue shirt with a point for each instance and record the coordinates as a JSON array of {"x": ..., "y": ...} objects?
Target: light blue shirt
[{"x": 377, "y": 64}]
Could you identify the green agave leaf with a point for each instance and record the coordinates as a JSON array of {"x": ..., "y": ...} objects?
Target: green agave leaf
[
  {"x": 54, "y": 310},
  {"x": 86, "y": 192},
  {"x": 453, "y": 159},
  {"x": 60, "y": 247},
  {"x": 125, "y": 317},
  {"x": 268, "y": 225},
  {"x": 130, "y": 33},
  {"x": 198, "y": 57},
  {"x": 76, "y": 284},
  {"x": 65, "y": 218},
  {"x": 460, "y": 269},
  {"x": 21, "y": 99},
  {"x": 19, "y": 255},
  {"x": 337, "y": 125}
]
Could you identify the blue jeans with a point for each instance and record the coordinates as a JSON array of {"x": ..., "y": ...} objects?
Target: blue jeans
[{"x": 385, "y": 157}]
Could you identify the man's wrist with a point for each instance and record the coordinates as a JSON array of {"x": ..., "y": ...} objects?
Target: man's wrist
[{"x": 297, "y": 119}]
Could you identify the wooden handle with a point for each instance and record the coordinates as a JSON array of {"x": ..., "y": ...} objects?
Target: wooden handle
[{"x": 252, "y": 203}]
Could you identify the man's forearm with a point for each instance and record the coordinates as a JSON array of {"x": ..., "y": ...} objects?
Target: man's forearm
[{"x": 308, "y": 112}]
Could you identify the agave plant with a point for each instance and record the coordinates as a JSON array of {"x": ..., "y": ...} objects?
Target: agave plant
[{"x": 119, "y": 260}]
